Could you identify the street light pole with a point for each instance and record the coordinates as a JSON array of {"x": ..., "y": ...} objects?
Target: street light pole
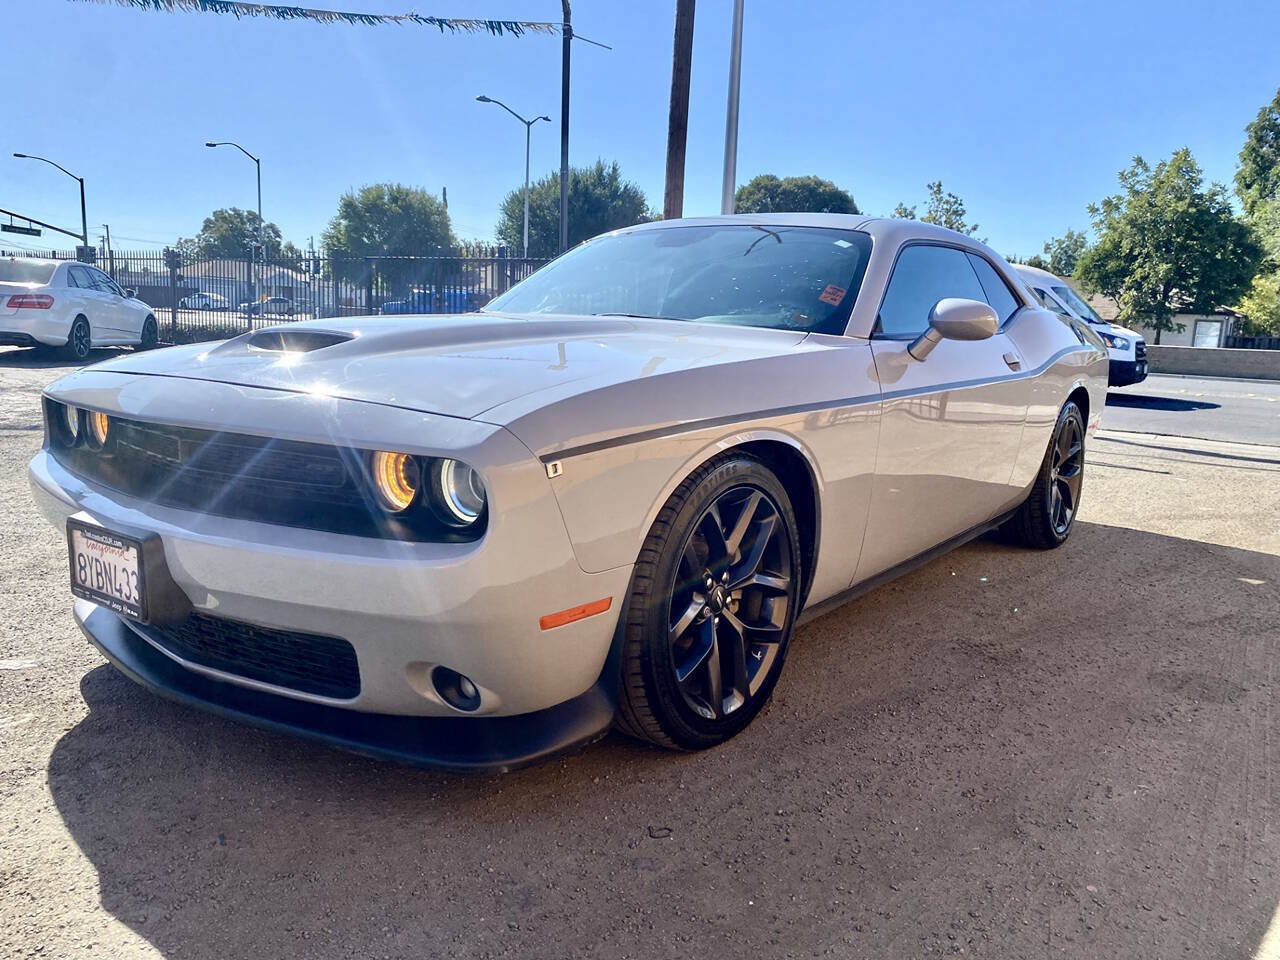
[
  {"x": 528, "y": 126},
  {"x": 84, "y": 219},
  {"x": 731, "y": 115},
  {"x": 262, "y": 247}
]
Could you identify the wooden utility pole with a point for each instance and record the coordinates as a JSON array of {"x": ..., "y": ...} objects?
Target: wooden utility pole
[{"x": 678, "y": 115}]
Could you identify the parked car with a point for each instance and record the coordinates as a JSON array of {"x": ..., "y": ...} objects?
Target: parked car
[
  {"x": 205, "y": 301},
  {"x": 270, "y": 307},
  {"x": 607, "y": 498},
  {"x": 1126, "y": 348},
  {"x": 74, "y": 306},
  {"x": 430, "y": 300}
]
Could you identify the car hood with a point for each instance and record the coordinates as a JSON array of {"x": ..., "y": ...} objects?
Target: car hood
[{"x": 458, "y": 366}]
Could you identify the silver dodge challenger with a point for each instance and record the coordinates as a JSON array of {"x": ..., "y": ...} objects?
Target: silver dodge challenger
[{"x": 604, "y": 500}]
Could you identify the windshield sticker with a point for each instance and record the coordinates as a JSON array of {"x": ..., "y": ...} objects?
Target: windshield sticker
[
  {"x": 833, "y": 294},
  {"x": 843, "y": 243}
]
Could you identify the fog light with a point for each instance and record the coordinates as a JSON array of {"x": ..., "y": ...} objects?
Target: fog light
[{"x": 455, "y": 689}]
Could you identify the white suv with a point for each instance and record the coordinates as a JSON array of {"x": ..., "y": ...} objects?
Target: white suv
[
  {"x": 1127, "y": 349},
  {"x": 57, "y": 303}
]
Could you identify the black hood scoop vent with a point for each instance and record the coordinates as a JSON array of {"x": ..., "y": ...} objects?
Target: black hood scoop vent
[{"x": 296, "y": 341}]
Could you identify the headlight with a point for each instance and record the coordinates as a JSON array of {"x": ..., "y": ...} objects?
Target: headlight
[
  {"x": 457, "y": 493},
  {"x": 69, "y": 418},
  {"x": 396, "y": 476},
  {"x": 1114, "y": 342},
  {"x": 99, "y": 425}
]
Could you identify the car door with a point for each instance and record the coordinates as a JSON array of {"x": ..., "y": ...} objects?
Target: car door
[
  {"x": 95, "y": 304},
  {"x": 126, "y": 315},
  {"x": 951, "y": 424}
]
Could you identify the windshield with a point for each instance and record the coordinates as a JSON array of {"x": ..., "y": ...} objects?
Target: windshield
[
  {"x": 788, "y": 278},
  {"x": 1069, "y": 297},
  {"x": 26, "y": 271}
]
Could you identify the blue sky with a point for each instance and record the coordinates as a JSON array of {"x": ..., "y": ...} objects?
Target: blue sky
[{"x": 1026, "y": 110}]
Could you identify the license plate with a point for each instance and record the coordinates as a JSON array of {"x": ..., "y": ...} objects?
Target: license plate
[{"x": 106, "y": 567}]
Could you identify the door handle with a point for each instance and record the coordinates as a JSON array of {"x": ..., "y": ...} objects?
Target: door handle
[{"x": 1013, "y": 360}]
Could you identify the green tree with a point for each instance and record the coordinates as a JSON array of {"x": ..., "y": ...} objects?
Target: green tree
[
  {"x": 1064, "y": 252},
  {"x": 387, "y": 220},
  {"x": 1168, "y": 244},
  {"x": 230, "y": 233},
  {"x": 1261, "y": 304},
  {"x": 771, "y": 194},
  {"x": 599, "y": 201},
  {"x": 944, "y": 209},
  {"x": 1258, "y": 176},
  {"x": 1035, "y": 260}
]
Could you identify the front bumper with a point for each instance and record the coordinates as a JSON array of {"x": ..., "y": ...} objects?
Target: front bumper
[
  {"x": 405, "y": 608},
  {"x": 1122, "y": 373},
  {"x": 459, "y": 743}
]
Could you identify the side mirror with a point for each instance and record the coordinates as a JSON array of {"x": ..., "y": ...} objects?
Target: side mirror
[
  {"x": 130, "y": 292},
  {"x": 953, "y": 318}
]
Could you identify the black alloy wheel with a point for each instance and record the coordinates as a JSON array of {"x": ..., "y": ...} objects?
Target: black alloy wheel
[
  {"x": 1046, "y": 517},
  {"x": 730, "y": 602},
  {"x": 150, "y": 334},
  {"x": 1066, "y": 474},
  {"x": 713, "y": 600},
  {"x": 79, "y": 343}
]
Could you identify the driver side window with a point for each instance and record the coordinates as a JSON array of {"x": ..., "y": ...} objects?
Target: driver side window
[{"x": 923, "y": 275}]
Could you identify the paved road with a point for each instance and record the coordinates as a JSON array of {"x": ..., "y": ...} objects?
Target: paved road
[
  {"x": 1004, "y": 754},
  {"x": 1244, "y": 411}
]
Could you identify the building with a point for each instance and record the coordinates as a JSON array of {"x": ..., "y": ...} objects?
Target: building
[{"x": 1199, "y": 329}]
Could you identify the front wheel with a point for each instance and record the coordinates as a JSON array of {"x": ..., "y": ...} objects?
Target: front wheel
[
  {"x": 1046, "y": 517},
  {"x": 713, "y": 600}
]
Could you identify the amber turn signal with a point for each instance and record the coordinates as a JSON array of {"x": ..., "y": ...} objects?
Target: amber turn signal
[{"x": 581, "y": 612}]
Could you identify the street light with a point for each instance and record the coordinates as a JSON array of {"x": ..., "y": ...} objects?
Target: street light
[
  {"x": 528, "y": 125},
  {"x": 84, "y": 221},
  {"x": 262, "y": 247}
]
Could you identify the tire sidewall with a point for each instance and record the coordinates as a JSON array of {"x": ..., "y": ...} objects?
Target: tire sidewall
[
  {"x": 685, "y": 727},
  {"x": 145, "y": 342}
]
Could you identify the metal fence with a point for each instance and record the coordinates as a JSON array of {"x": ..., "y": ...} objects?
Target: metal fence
[{"x": 210, "y": 298}]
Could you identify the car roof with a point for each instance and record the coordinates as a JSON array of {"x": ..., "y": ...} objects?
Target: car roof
[
  {"x": 1035, "y": 273},
  {"x": 880, "y": 228}
]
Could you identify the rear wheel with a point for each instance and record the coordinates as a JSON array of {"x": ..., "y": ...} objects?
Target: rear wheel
[
  {"x": 150, "y": 334},
  {"x": 712, "y": 604},
  {"x": 79, "y": 341},
  {"x": 1045, "y": 519}
]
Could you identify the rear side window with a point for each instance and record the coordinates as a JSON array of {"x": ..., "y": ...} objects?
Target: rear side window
[
  {"x": 922, "y": 276},
  {"x": 998, "y": 294},
  {"x": 26, "y": 271}
]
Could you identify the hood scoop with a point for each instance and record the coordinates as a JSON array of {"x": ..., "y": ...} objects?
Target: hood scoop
[{"x": 296, "y": 341}]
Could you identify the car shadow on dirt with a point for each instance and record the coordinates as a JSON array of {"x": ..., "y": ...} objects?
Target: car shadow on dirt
[{"x": 1007, "y": 752}]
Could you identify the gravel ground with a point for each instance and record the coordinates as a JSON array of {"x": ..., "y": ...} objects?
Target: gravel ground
[{"x": 1003, "y": 754}]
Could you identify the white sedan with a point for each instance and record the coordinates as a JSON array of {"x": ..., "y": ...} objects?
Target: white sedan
[
  {"x": 55, "y": 303},
  {"x": 205, "y": 301}
]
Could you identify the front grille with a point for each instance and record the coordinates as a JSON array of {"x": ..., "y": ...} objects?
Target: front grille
[
  {"x": 306, "y": 662},
  {"x": 1140, "y": 350},
  {"x": 286, "y": 482}
]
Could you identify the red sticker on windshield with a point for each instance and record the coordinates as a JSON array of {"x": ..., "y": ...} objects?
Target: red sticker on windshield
[{"x": 832, "y": 294}]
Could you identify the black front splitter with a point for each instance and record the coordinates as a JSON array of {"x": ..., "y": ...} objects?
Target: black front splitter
[{"x": 479, "y": 744}]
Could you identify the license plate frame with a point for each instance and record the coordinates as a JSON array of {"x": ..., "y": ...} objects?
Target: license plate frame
[{"x": 129, "y": 599}]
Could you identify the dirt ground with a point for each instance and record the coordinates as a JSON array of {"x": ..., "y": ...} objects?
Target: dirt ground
[{"x": 1003, "y": 754}]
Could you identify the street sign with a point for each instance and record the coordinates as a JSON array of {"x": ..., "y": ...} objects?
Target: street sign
[{"x": 25, "y": 231}]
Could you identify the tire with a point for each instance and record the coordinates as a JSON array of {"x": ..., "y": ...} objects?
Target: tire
[
  {"x": 1045, "y": 519},
  {"x": 150, "y": 335},
  {"x": 712, "y": 604},
  {"x": 79, "y": 341}
]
